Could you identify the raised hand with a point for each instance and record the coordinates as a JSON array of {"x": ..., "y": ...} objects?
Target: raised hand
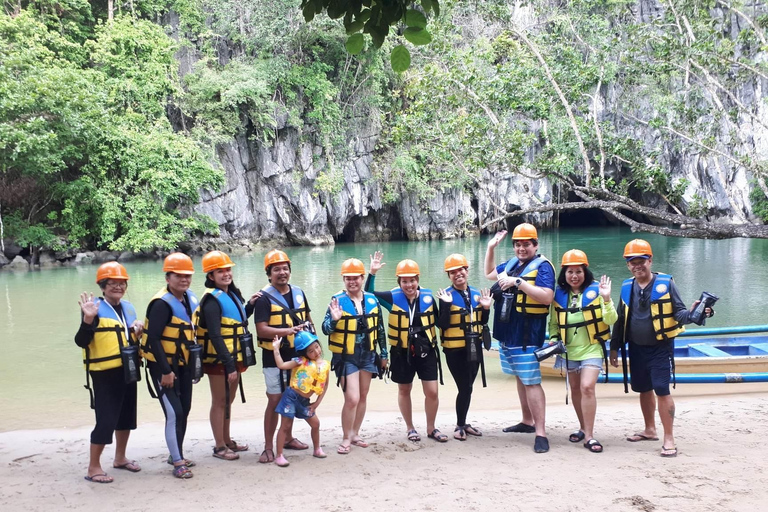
[
  {"x": 88, "y": 307},
  {"x": 605, "y": 288},
  {"x": 376, "y": 262},
  {"x": 276, "y": 341},
  {"x": 485, "y": 298},
  {"x": 497, "y": 238},
  {"x": 335, "y": 309},
  {"x": 443, "y": 295}
]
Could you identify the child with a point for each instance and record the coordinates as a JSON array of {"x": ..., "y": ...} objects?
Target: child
[{"x": 310, "y": 375}]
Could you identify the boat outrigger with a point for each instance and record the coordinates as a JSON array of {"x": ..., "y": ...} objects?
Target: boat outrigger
[{"x": 709, "y": 355}]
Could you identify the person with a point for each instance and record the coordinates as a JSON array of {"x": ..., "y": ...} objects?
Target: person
[
  {"x": 108, "y": 325},
  {"x": 222, "y": 328},
  {"x": 281, "y": 310},
  {"x": 522, "y": 295},
  {"x": 309, "y": 376},
  {"x": 168, "y": 334},
  {"x": 580, "y": 316},
  {"x": 464, "y": 312},
  {"x": 354, "y": 328},
  {"x": 651, "y": 314},
  {"x": 413, "y": 341}
]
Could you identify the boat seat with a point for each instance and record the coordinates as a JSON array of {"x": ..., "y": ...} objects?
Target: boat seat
[
  {"x": 759, "y": 347},
  {"x": 703, "y": 349}
]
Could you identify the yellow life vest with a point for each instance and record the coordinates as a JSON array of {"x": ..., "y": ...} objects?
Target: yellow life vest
[
  {"x": 461, "y": 319},
  {"x": 177, "y": 334},
  {"x": 232, "y": 326},
  {"x": 281, "y": 315},
  {"x": 662, "y": 315},
  {"x": 103, "y": 352},
  {"x": 310, "y": 376},
  {"x": 342, "y": 339},
  {"x": 598, "y": 330},
  {"x": 399, "y": 322},
  {"x": 523, "y": 303}
]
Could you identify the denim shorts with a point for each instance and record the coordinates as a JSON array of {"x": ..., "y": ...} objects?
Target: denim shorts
[
  {"x": 576, "y": 366},
  {"x": 364, "y": 361},
  {"x": 293, "y": 405},
  {"x": 272, "y": 380},
  {"x": 523, "y": 364}
]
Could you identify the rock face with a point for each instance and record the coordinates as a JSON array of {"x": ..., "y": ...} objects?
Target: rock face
[{"x": 19, "y": 264}]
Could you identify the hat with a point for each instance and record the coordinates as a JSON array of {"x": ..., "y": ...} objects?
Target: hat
[{"x": 303, "y": 339}]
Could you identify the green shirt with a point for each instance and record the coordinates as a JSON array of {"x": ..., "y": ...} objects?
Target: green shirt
[{"x": 577, "y": 339}]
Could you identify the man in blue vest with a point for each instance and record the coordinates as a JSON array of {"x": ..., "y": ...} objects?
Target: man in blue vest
[
  {"x": 524, "y": 289},
  {"x": 651, "y": 314}
]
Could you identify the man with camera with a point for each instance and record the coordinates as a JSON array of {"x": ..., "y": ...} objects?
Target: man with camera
[
  {"x": 522, "y": 294},
  {"x": 651, "y": 314},
  {"x": 281, "y": 310}
]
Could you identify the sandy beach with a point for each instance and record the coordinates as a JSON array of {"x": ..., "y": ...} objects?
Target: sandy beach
[{"x": 720, "y": 466}]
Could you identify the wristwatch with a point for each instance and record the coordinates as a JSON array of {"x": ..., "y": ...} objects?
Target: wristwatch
[{"x": 518, "y": 281}]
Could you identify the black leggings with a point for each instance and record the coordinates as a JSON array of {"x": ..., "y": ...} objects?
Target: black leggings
[
  {"x": 114, "y": 402},
  {"x": 176, "y": 403},
  {"x": 464, "y": 374}
]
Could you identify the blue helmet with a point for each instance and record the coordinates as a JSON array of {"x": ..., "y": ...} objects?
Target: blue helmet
[{"x": 303, "y": 339}]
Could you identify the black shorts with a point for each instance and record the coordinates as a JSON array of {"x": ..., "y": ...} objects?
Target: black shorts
[
  {"x": 650, "y": 368},
  {"x": 114, "y": 404},
  {"x": 403, "y": 373}
]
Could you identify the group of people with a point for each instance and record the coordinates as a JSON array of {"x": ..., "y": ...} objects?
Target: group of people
[{"x": 183, "y": 338}]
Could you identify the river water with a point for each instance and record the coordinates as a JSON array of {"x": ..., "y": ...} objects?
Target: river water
[{"x": 41, "y": 373}]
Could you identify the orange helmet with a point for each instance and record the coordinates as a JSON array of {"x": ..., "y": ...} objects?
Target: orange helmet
[
  {"x": 455, "y": 261},
  {"x": 111, "y": 270},
  {"x": 637, "y": 249},
  {"x": 178, "y": 263},
  {"x": 407, "y": 268},
  {"x": 352, "y": 267},
  {"x": 275, "y": 256},
  {"x": 574, "y": 257},
  {"x": 216, "y": 259},
  {"x": 525, "y": 231}
]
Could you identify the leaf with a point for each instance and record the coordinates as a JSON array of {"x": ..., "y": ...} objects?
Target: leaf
[
  {"x": 355, "y": 26},
  {"x": 414, "y": 18},
  {"x": 309, "y": 12},
  {"x": 436, "y": 7},
  {"x": 400, "y": 58},
  {"x": 355, "y": 43},
  {"x": 417, "y": 36},
  {"x": 426, "y": 5}
]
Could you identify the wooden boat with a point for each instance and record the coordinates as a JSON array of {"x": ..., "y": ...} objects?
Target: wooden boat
[{"x": 707, "y": 355}]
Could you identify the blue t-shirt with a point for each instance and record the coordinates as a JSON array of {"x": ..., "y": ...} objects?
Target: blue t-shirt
[{"x": 523, "y": 329}]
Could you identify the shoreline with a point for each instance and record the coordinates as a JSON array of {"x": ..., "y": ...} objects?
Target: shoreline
[{"x": 43, "y": 469}]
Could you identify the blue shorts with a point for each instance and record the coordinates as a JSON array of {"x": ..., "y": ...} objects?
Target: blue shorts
[
  {"x": 522, "y": 364},
  {"x": 293, "y": 405},
  {"x": 365, "y": 361},
  {"x": 650, "y": 368},
  {"x": 576, "y": 366}
]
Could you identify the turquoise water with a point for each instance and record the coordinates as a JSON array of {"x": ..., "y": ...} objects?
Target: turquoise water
[{"x": 41, "y": 367}]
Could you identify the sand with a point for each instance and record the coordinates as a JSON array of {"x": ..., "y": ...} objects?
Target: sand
[{"x": 720, "y": 466}]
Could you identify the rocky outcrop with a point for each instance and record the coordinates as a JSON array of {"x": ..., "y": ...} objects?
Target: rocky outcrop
[{"x": 19, "y": 264}]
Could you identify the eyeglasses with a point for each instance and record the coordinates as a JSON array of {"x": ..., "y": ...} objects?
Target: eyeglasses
[
  {"x": 645, "y": 299},
  {"x": 117, "y": 284}
]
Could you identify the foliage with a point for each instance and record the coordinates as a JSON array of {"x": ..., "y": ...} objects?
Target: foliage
[{"x": 759, "y": 202}]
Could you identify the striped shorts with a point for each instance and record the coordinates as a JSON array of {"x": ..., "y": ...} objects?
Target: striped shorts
[{"x": 522, "y": 364}]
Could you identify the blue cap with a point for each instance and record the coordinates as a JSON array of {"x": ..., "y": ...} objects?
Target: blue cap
[
  {"x": 303, "y": 339},
  {"x": 643, "y": 256}
]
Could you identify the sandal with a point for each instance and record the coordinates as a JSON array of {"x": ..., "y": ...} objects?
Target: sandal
[
  {"x": 594, "y": 446},
  {"x": 129, "y": 466},
  {"x": 225, "y": 453},
  {"x": 267, "y": 456},
  {"x": 469, "y": 429},
  {"x": 101, "y": 478},
  {"x": 414, "y": 436},
  {"x": 295, "y": 444},
  {"x": 438, "y": 436},
  {"x": 343, "y": 449},
  {"x": 182, "y": 472},
  {"x": 360, "y": 443},
  {"x": 232, "y": 445},
  {"x": 459, "y": 434},
  {"x": 187, "y": 462},
  {"x": 576, "y": 436}
]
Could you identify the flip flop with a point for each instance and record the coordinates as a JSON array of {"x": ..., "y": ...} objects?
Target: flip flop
[
  {"x": 225, "y": 453},
  {"x": 342, "y": 449},
  {"x": 520, "y": 428},
  {"x": 360, "y": 443},
  {"x": 594, "y": 446},
  {"x": 668, "y": 452},
  {"x": 129, "y": 466},
  {"x": 438, "y": 436},
  {"x": 267, "y": 456},
  {"x": 541, "y": 444},
  {"x": 414, "y": 436},
  {"x": 576, "y": 436},
  {"x": 103, "y": 479},
  {"x": 232, "y": 445},
  {"x": 295, "y": 444},
  {"x": 634, "y": 438},
  {"x": 469, "y": 429},
  {"x": 459, "y": 434}
]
